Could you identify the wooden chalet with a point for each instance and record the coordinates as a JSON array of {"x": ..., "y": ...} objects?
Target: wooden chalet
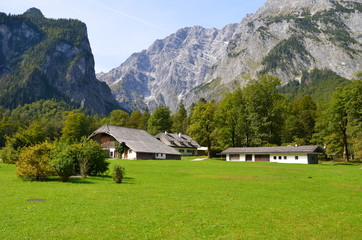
[{"x": 138, "y": 144}]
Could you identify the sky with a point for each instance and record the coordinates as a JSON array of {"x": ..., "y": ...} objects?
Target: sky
[{"x": 118, "y": 28}]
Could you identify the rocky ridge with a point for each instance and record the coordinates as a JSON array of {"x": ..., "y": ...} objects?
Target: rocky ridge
[
  {"x": 44, "y": 58},
  {"x": 283, "y": 38}
]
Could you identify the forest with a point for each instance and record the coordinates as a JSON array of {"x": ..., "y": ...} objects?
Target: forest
[{"x": 262, "y": 114}]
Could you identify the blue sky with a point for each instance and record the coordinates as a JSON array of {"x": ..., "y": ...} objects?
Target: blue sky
[{"x": 118, "y": 28}]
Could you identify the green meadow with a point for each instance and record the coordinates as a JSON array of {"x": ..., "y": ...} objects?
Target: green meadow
[{"x": 209, "y": 199}]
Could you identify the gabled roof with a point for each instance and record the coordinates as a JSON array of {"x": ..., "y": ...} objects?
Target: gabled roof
[
  {"x": 136, "y": 139},
  {"x": 286, "y": 149},
  {"x": 177, "y": 140}
]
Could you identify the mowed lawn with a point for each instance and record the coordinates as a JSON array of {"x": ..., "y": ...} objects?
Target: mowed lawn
[{"x": 209, "y": 199}]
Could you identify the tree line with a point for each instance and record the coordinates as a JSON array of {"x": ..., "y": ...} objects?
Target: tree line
[{"x": 257, "y": 115}]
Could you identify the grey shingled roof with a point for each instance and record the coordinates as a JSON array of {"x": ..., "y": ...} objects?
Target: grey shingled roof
[
  {"x": 286, "y": 149},
  {"x": 136, "y": 139},
  {"x": 177, "y": 140}
]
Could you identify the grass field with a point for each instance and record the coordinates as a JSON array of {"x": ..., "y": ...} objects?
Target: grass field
[{"x": 186, "y": 199}]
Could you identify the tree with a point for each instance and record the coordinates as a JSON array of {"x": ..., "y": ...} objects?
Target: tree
[
  {"x": 117, "y": 117},
  {"x": 202, "y": 124},
  {"x": 344, "y": 119},
  {"x": 179, "y": 120},
  {"x": 265, "y": 109},
  {"x": 300, "y": 124},
  {"x": 232, "y": 123},
  {"x": 134, "y": 120},
  {"x": 160, "y": 121},
  {"x": 35, "y": 133},
  {"x": 75, "y": 127},
  {"x": 143, "y": 124}
]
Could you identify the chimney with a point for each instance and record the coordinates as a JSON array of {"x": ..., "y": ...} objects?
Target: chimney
[{"x": 179, "y": 134}]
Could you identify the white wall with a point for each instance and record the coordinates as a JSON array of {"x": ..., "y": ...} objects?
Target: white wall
[
  {"x": 290, "y": 158},
  {"x": 111, "y": 152},
  {"x": 160, "y": 156},
  {"x": 132, "y": 155},
  {"x": 185, "y": 152}
]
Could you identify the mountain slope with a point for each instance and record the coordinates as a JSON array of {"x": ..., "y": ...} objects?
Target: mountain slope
[
  {"x": 283, "y": 38},
  {"x": 44, "y": 58},
  {"x": 169, "y": 68}
]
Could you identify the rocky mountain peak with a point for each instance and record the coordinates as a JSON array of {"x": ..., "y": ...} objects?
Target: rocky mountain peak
[
  {"x": 283, "y": 38},
  {"x": 295, "y": 7},
  {"x": 34, "y": 12}
]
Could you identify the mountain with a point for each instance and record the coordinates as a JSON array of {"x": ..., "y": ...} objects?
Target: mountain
[
  {"x": 283, "y": 38},
  {"x": 169, "y": 68},
  {"x": 44, "y": 58}
]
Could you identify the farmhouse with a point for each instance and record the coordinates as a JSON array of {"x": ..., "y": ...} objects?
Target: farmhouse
[
  {"x": 287, "y": 154},
  {"x": 137, "y": 144},
  {"x": 181, "y": 142}
]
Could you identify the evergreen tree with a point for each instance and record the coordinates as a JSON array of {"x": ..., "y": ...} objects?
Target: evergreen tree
[{"x": 179, "y": 120}]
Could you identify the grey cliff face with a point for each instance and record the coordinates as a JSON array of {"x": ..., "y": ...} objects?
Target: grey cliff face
[
  {"x": 282, "y": 38},
  {"x": 37, "y": 64},
  {"x": 169, "y": 68}
]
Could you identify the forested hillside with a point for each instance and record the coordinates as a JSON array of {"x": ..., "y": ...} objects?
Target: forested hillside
[
  {"x": 257, "y": 115},
  {"x": 44, "y": 58}
]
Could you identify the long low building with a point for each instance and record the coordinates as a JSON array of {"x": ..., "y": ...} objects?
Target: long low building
[
  {"x": 287, "y": 154},
  {"x": 137, "y": 144}
]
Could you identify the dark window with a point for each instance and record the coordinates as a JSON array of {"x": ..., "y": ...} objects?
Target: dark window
[
  {"x": 280, "y": 157},
  {"x": 275, "y": 157},
  {"x": 285, "y": 157},
  {"x": 296, "y": 157}
]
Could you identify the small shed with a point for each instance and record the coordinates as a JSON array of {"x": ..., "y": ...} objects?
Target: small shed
[{"x": 286, "y": 154}]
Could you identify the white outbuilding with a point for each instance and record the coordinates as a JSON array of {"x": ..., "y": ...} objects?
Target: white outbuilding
[{"x": 288, "y": 154}]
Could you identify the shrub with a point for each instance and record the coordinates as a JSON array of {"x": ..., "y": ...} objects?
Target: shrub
[
  {"x": 118, "y": 173},
  {"x": 91, "y": 158},
  {"x": 33, "y": 163},
  {"x": 9, "y": 155},
  {"x": 63, "y": 161}
]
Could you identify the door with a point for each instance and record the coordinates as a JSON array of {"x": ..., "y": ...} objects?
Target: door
[
  {"x": 262, "y": 158},
  {"x": 249, "y": 157}
]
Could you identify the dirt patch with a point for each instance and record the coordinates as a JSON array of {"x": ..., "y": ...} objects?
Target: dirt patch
[{"x": 36, "y": 200}]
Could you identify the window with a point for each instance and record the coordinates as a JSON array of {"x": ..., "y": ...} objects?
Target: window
[
  {"x": 280, "y": 157},
  {"x": 285, "y": 157},
  {"x": 296, "y": 157},
  {"x": 275, "y": 157},
  {"x": 130, "y": 151}
]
